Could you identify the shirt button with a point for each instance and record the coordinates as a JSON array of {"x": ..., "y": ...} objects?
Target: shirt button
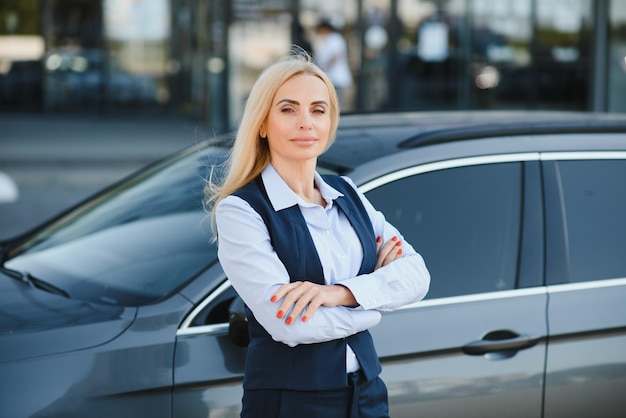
[
  {"x": 343, "y": 258},
  {"x": 327, "y": 232}
]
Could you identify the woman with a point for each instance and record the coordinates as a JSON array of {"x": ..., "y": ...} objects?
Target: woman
[{"x": 306, "y": 255}]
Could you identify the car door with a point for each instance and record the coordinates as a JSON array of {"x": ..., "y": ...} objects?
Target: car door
[
  {"x": 208, "y": 365},
  {"x": 586, "y": 276},
  {"x": 475, "y": 347}
]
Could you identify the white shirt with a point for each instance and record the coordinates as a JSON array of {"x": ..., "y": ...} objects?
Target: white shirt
[{"x": 256, "y": 272}]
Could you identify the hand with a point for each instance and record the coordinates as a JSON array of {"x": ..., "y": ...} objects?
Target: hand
[
  {"x": 305, "y": 297},
  {"x": 390, "y": 251}
]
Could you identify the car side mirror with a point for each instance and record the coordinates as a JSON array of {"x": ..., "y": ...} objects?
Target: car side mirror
[{"x": 238, "y": 323}]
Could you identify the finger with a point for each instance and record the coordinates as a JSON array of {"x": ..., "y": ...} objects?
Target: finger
[
  {"x": 310, "y": 310},
  {"x": 379, "y": 262},
  {"x": 384, "y": 252},
  {"x": 295, "y": 300},
  {"x": 303, "y": 296},
  {"x": 287, "y": 295},
  {"x": 379, "y": 242},
  {"x": 299, "y": 307},
  {"x": 394, "y": 253},
  {"x": 283, "y": 290}
]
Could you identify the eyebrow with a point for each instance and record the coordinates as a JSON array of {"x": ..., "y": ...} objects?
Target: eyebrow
[{"x": 295, "y": 102}]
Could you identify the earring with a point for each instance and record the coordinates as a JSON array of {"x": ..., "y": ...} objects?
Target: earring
[{"x": 262, "y": 135}]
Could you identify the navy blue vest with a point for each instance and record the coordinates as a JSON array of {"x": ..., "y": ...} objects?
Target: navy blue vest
[{"x": 320, "y": 366}]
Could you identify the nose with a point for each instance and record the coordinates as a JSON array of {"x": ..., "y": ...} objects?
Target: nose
[{"x": 304, "y": 121}]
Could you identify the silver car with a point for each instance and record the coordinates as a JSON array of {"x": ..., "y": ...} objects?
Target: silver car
[{"x": 119, "y": 307}]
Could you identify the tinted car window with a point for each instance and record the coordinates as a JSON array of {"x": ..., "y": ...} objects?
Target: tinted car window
[
  {"x": 595, "y": 215},
  {"x": 136, "y": 243},
  {"x": 465, "y": 221}
]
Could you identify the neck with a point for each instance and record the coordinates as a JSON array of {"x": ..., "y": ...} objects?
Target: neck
[{"x": 300, "y": 178}]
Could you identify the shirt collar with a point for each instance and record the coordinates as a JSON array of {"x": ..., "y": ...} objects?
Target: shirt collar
[{"x": 282, "y": 197}]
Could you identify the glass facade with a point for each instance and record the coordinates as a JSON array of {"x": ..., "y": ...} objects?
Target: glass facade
[
  {"x": 199, "y": 58},
  {"x": 74, "y": 62},
  {"x": 562, "y": 54},
  {"x": 485, "y": 54},
  {"x": 432, "y": 50},
  {"x": 617, "y": 57},
  {"x": 258, "y": 32},
  {"x": 136, "y": 38},
  {"x": 107, "y": 56},
  {"x": 21, "y": 50}
]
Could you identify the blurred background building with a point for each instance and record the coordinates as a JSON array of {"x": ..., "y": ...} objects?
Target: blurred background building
[{"x": 197, "y": 59}]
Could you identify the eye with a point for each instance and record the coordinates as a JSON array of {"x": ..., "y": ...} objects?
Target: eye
[
  {"x": 319, "y": 110},
  {"x": 287, "y": 109}
]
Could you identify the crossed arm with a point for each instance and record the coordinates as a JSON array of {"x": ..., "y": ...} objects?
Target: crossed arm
[
  {"x": 303, "y": 312},
  {"x": 306, "y": 297}
]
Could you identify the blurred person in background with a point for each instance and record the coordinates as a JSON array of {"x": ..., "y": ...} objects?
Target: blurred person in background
[{"x": 331, "y": 54}]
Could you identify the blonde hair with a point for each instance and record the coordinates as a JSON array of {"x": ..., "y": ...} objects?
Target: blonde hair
[{"x": 250, "y": 153}]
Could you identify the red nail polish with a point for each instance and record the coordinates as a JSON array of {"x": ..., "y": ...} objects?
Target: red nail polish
[
  {"x": 399, "y": 243},
  {"x": 394, "y": 238},
  {"x": 280, "y": 314},
  {"x": 304, "y": 318},
  {"x": 273, "y": 298},
  {"x": 400, "y": 251},
  {"x": 288, "y": 321},
  {"x": 379, "y": 239}
]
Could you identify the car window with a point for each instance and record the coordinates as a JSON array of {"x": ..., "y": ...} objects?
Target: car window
[
  {"x": 218, "y": 307},
  {"x": 136, "y": 243},
  {"x": 465, "y": 221},
  {"x": 595, "y": 216}
]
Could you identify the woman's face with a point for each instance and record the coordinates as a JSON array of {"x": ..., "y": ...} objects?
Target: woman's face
[{"x": 298, "y": 122}]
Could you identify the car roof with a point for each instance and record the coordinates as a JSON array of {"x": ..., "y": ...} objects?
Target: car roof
[{"x": 362, "y": 138}]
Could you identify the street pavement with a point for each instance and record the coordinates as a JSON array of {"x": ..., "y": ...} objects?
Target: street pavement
[{"x": 58, "y": 160}]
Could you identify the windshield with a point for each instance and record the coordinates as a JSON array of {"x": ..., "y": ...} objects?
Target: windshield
[{"x": 134, "y": 244}]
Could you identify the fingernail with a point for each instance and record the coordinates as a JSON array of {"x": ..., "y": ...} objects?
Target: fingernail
[
  {"x": 379, "y": 239},
  {"x": 400, "y": 251},
  {"x": 280, "y": 314},
  {"x": 399, "y": 243},
  {"x": 305, "y": 318},
  {"x": 288, "y": 321},
  {"x": 273, "y": 298},
  {"x": 394, "y": 238}
]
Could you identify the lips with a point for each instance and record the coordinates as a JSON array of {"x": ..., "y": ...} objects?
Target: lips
[{"x": 304, "y": 140}]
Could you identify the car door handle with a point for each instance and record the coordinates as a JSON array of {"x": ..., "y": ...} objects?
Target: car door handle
[{"x": 500, "y": 341}]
